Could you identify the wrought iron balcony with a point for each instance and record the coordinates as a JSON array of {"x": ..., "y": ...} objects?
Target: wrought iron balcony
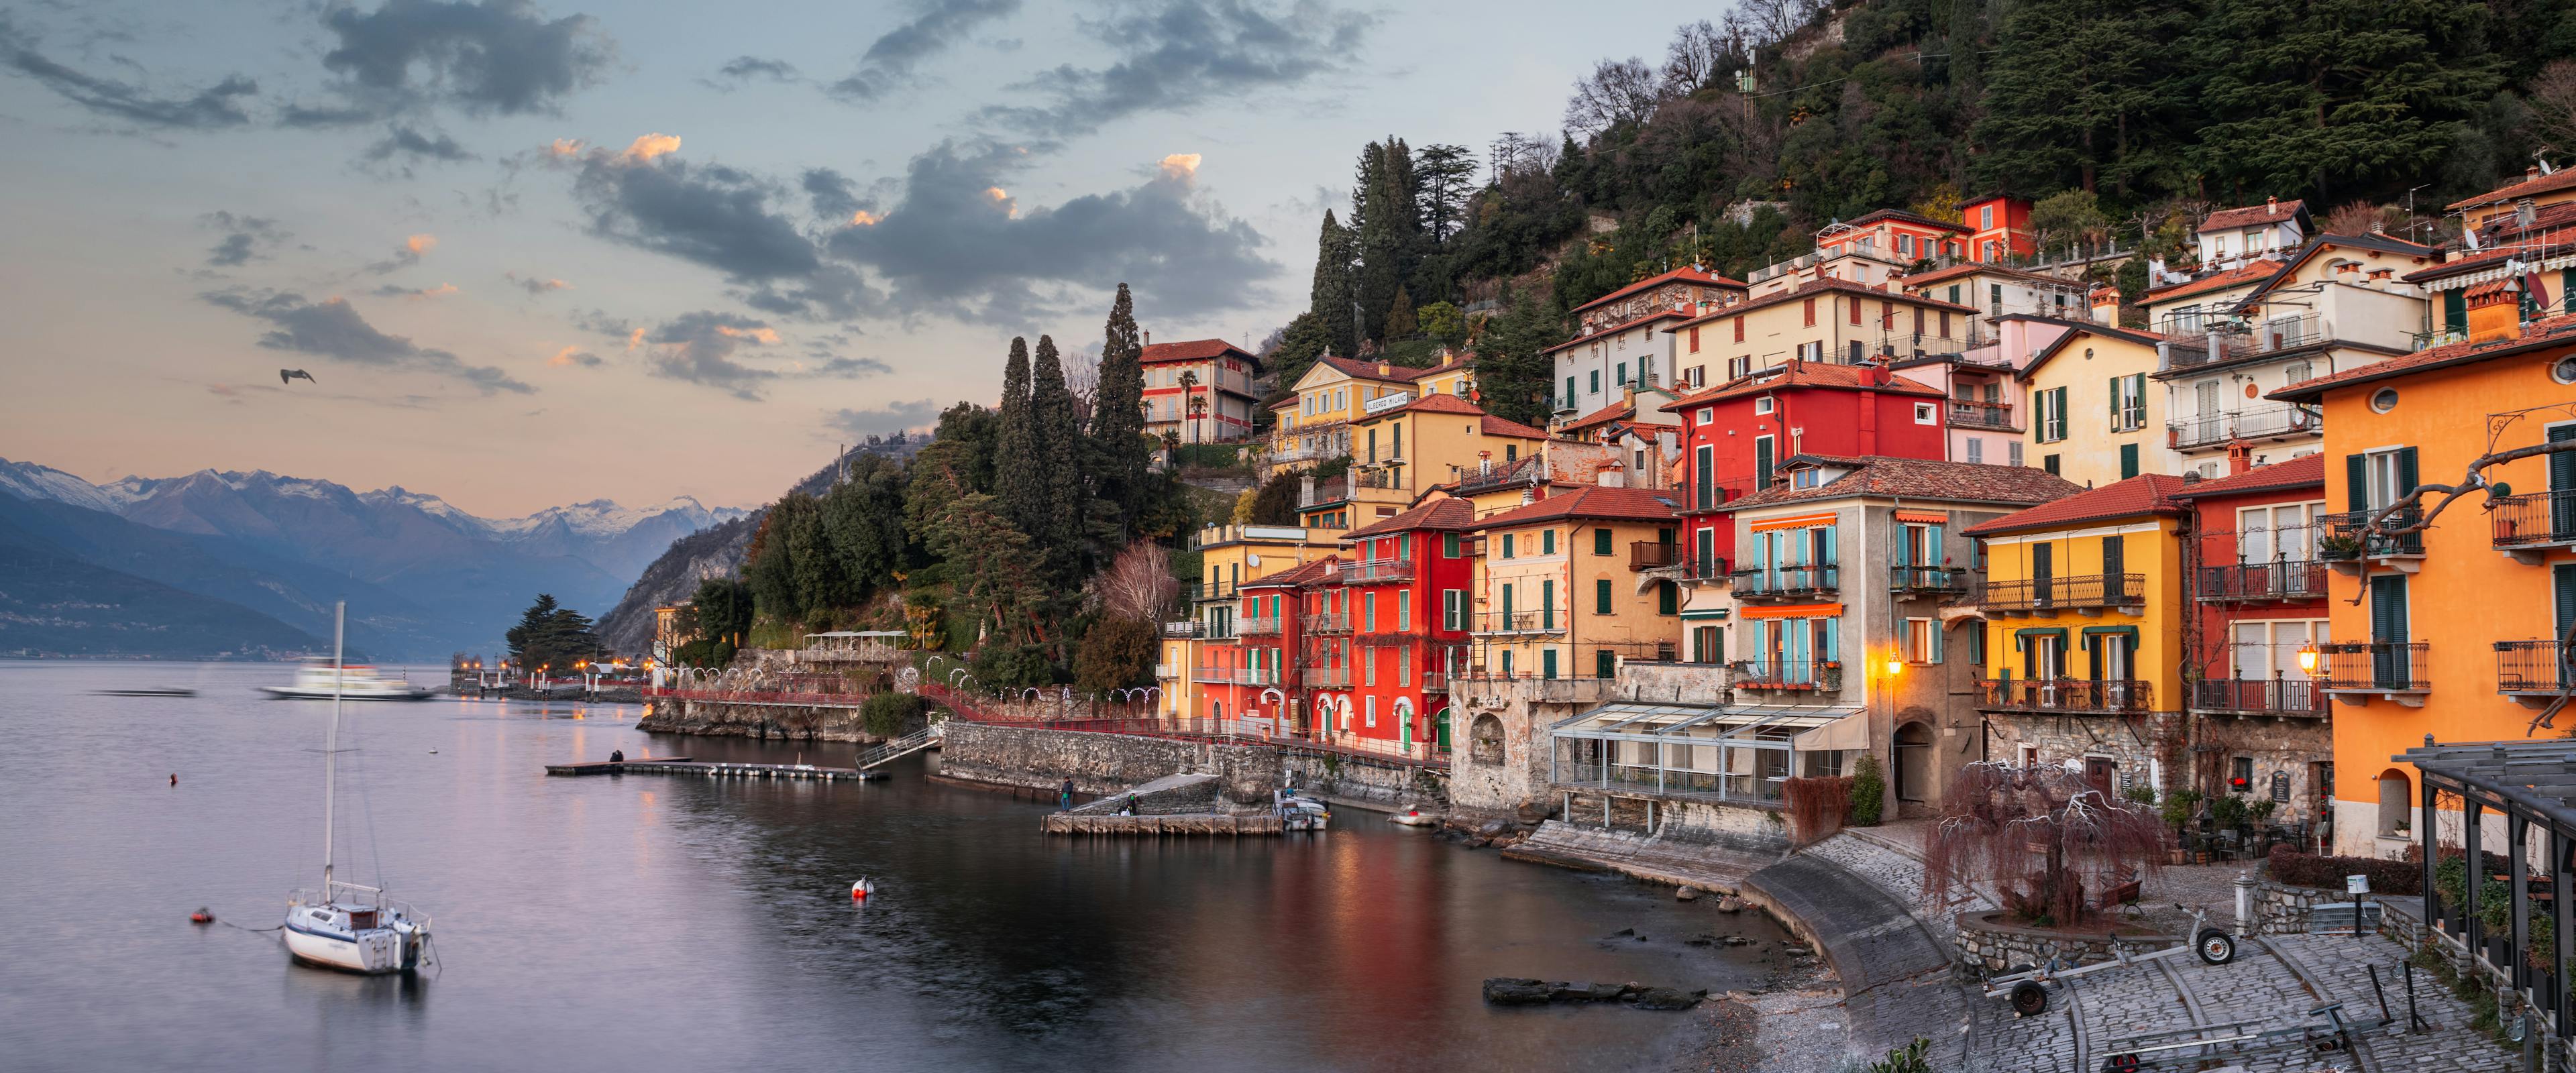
[
  {"x": 2081, "y": 696},
  {"x": 1375, "y": 571},
  {"x": 2296, "y": 579},
  {"x": 1789, "y": 675},
  {"x": 2081, "y": 592},
  {"x": 1256, "y": 627},
  {"x": 1965, "y": 413},
  {"x": 1185, "y": 628},
  {"x": 1781, "y": 584},
  {"x": 2375, "y": 666},
  {"x": 2298, "y": 697},
  {"x": 1519, "y": 622},
  {"x": 1327, "y": 623},
  {"x": 2345, "y": 540},
  {"x": 2534, "y": 519},
  {"x": 1435, "y": 681},
  {"x": 1927, "y": 579},
  {"x": 2263, "y": 423},
  {"x": 2534, "y": 668},
  {"x": 1216, "y": 676},
  {"x": 1326, "y": 677}
]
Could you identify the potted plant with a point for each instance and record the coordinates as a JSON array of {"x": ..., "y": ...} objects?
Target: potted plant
[
  {"x": 2229, "y": 811},
  {"x": 2339, "y": 546},
  {"x": 2177, "y": 811}
]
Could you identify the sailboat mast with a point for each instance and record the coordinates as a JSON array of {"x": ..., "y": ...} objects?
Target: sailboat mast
[{"x": 331, "y": 738}]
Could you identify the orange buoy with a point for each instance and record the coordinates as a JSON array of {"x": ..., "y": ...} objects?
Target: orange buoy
[
  {"x": 860, "y": 890},
  {"x": 201, "y": 916}
]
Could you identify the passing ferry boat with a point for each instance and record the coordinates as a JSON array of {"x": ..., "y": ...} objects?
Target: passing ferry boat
[
  {"x": 344, "y": 925},
  {"x": 326, "y": 679}
]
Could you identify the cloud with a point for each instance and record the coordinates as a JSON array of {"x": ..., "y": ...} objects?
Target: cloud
[
  {"x": 648, "y": 146},
  {"x": 214, "y": 107},
  {"x": 912, "y": 416},
  {"x": 331, "y": 328},
  {"x": 715, "y": 216},
  {"x": 405, "y": 255},
  {"x": 535, "y": 285},
  {"x": 495, "y": 57},
  {"x": 1182, "y": 167},
  {"x": 245, "y": 238},
  {"x": 391, "y": 291},
  {"x": 834, "y": 196},
  {"x": 891, "y": 60},
  {"x": 743, "y": 70},
  {"x": 571, "y": 356},
  {"x": 413, "y": 147},
  {"x": 957, "y": 238},
  {"x": 1176, "y": 55},
  {"x": 717, "y": 350}
]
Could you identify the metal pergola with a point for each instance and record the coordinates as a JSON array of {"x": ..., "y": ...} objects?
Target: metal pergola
[
  {"x": 2532, "y": 784},
  {"x": 1765, "y": 729}
]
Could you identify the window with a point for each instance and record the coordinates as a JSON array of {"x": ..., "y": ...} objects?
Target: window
[
  {"x": 1623, "y": 372},
  {"x": 1547, "y": 662},
  {"x": 1601, "y": 597},
  {"x": 1453, "y": 609},
  {"x": 1368, "y": 613},
  {"x": 2012, "y": 451},
  {"x": 1811, "y": 312},
  {"x": 1739, "y": 329},
  {"x": 1595, "y": 381},
  {"x": 2379, "y": 478},
  {"x": 1905, "y": 245},
  {"x": 1926, "y": 414},
  {"x": 1448, "y": 545},
  {"x": 1704, "y": 460},
  {"x": 1569, "y": 393},
  {"x": 1601, "y": 541},
  {"x": 1668, "y": 598},
  {"x": 2128, "y": 402},
  {"x": 1854, "y": 304},
  {"x": 1986, "y": 217},
  {"x": 1922, "y": 640},
  {"x": 2051, "y": 423},
  {"x": 1762, "y": 405},
  {"x": 1547, "y": 541},
  {"x": 1507, "y": 545},
  {"x": 1977, "y": 646},
  {"x": 1762, "y": 462},
  {"x": 1976, "y": 450},
  {"x": 1694, "y": 339},
  {"x": 1371, "y": 701},
  {"x": 2384, "y": 399},
  {"x": 1403, "y": 609},
  {"x": 1507, "y": 663},
  {"x": 1404, "y": 665},
  {"x": 2049, "y": 463},
  {"x": 1803, "y": 478}
]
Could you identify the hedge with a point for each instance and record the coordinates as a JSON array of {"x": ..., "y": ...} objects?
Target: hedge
[{"x": 2298, "y": 869}]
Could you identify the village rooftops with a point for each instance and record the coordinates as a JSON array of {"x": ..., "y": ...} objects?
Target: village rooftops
[
  {"x": 2541, "y": 334},
  {"x": 2252, "y": 272},
  {"x": 1965, "y": 269},
  {"x": 2532, "y": 184},
  {"x": 1448, "y": 514},
  {"x": 2305, "y": 471},
  {"x": 1691, "y": 274},
  {"x": 1815, "y": 287},
  {"x": 2289, "y": 269},
  {"x": 2146, "y": 493},
  {"x": 2272, "y": 211},
  {"x": 1295, "y": 576},
  {"x": 1390, "y": 372},
  {"x": 2078, "y": 328},
  {"x": 1891, "y": 477},
  {"x": 1614, "y": 329},
  {"x": 1490, "y": 425},
  {"x": 1816, "y": 375},
  {"x": 2551, "y": 236},
  {"x": 1591, "y": 501},
  {"x": 1197, "y": 350},
  {"x": 1863, "y": 221}
]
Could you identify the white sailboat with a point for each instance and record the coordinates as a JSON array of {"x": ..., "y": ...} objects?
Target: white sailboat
[{"x": 345, "y": 925}]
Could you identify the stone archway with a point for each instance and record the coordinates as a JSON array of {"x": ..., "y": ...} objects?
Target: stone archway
[{"x": 1485, "y": 740}]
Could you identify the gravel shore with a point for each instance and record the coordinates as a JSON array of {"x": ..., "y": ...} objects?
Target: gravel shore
[{"x": 1793, "y": 1024}]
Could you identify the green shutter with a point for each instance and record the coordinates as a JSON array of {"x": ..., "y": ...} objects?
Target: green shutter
[
  {"x": 1547, "y": 662},
  {"x": 1601, "y": 541},
  {"x": 2564, "y": 578},
  {"x": 1667, "y": 598},
  {"x": 1547, "y": 604},
  {"x": 2405, "y": 470},
  {"x": 2128, "y": 460},
  {"x": 1547, "y": 541},
  {"x": 2118, "y": 385},
  {"x": 1601, "y": 596},
  {"x": 2356, "y": 482},
  {"x": 1605, "y": 663},
  {"x": 2455, "y": 311}
]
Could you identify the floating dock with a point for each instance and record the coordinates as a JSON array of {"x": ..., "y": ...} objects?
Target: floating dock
[{"x": 681, "y": 765}]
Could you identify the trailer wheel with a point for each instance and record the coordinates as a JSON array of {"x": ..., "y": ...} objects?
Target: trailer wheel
[
  {"x": 2028, "y": 999},
  {"x": 2215, "y": 947}
]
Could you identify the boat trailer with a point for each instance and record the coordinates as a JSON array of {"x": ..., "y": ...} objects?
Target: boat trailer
[{"x": 2027, "y": 990}]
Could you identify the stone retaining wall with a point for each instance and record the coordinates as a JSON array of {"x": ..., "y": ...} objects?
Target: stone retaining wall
[
  {"x": 786, "y": 722},
  {"x": 1101, "y": 764},
  {"x": 1989, "y": 947},
  {"x": 2281, "y": 909}
]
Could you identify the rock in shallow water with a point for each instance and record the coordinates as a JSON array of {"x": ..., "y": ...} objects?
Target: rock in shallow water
[
  {"x": 1686, "y": 894},
  {"x": 1511, "y": 991},
  {"x": 1666, "y": 998}
]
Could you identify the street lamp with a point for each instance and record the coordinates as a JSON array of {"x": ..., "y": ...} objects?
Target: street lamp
[
  {"x": 1895, "y": 666},
  {"x": 2308, "y": 658}
]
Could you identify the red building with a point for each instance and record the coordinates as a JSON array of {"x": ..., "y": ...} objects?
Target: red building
[
  {"x": 1200, "y": 391},
  {"x": 1893, "y": 233},
  {"x": 1735, "y": 435},
  {"x": 2260, "y": 589},
  {"x": 1998, "y": 229},
  {"x": 1405, "y": 590},
  {"x": 1269, "y": 632}
]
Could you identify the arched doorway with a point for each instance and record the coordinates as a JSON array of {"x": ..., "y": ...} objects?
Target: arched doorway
[
  {"x": 1485, "y": 740},
  {"x": 1404, "y": 723},
  {"x": 2396, "y": 804},
  {"x": 1914, "y": 763}
]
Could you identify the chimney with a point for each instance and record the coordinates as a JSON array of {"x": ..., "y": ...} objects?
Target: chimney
[
  {"x": 2271, "y": 206},
  {"x": 2530, "y": 173},
  {"x": 2239, "y": 457},
  {"x": 1384, "y": 369},
  {"x": 1149, "y": 337},
  {"x": 2495, "y": 311}
]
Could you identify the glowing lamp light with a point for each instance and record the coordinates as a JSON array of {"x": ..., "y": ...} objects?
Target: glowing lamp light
[
  {"x": 2308, "y": 658},
  {"x": 1895, "y": 667}
]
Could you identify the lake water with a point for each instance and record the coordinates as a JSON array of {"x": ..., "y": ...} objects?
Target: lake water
[{"x": 664, "y": 922}]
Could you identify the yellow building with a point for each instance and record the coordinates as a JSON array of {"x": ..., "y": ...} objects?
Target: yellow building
[
  {"x": 1313, "y": 424},
  {"x": 1401, "y": 451},
  {"x": 1822, "y": 320},
  {"x": 2095, "y": 417},
  {"x": 1559, "y": 593},
  {"x": 1229, "y": 556},
  {"x": 2452, "y": 631},
  {"x": 2082, "y": 649}
]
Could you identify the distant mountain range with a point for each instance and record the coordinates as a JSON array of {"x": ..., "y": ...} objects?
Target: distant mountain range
[{"x": 423, "y": 578}]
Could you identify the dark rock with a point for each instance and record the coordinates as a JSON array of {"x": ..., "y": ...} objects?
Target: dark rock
[
  {"x": 1666, "y": 998},
  {"x": 1586, "y": 992},
  {"x": 1623, "y": 931},
  {"x": 1532, "y": 815},
  {"x": 1702, "y": 939},
  {"x": 1492, "y": 828},
  {"x": 1510, "y": 991},
  {"x": 1736, "y": 940},
  {"x": 1480, "y": 843},
  {"x": 1641, "y": 938},
  {"x": 1797, "y": 951}
]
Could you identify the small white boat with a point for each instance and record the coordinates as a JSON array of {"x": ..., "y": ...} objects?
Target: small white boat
[
  {"x": 344, "y": 925},
  {"x": 1414, "y": 817},
  {"x": 324, "y": 679},
  {"x": 147, "y": 691}
]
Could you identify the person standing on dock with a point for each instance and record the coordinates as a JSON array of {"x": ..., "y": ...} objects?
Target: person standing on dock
[
  {"x": 1064, "y": 797},
  {"x": 617, "y": 756}
]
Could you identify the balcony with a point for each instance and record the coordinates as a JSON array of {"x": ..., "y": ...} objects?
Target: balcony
[
  {"x": 1518, "y": 622},
  {"x": 2280, "y": 697},
  {"x": 1377, "y": 571},
  {"x": 2533, "y": 671},
  {"x": 1653, "y": 555},
  {"x": 2347, "y": 543},
  {"x": 2086, "y": 593},
  {"x": 2394, "y": 670},
  {"x": 1327, "y": 677},
  {"x": 1163, "y": 672},
  {"x": 1799, "y": 676},
  {"x": 1256, "y": 627},
  {"x": 1926, "y": 580},
  {"x": 2071, "y": 696},
  {"x": 1326, "y": 624},
  {"x": 1188, "y": 628},
  {"x": 1334, "y": 489},
  {"x": 2261, "y": 423},
  {"x": 1785, "y": 584},
  {"x": 1215, "y": 676},
  {"x": 2254, "y": 583},
  {"x": 2526, "y": 525},
  {"x": 1988, "y": 415},
  {"x": 1435, "y": 681}
]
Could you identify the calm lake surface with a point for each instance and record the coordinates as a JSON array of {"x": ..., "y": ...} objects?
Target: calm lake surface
[{"x": 662, "y": 922}]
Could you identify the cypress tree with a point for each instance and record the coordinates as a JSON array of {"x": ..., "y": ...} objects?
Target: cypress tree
[
  {"x": 1386, "y": 211},
  {"x": 1064, "y": 499},
  {"x": 1018, "y": 479},
  {"x": 1334, "y": 288},
  {"x": 1118, "y": 415}
]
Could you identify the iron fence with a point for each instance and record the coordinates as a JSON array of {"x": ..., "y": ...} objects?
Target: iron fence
[
  {"x": 2534, "y": 666},
  {"x": 2389, "y": 665},
  {"x": 1373, "y": 571},
  {"x": 1777, "y": 674},
  {"x": 2054, "y": 593},
  {"x": 2534, "y": 518},
  {"x": 2347, "y": 535},
  {"x": 1327, "y": 623},
  {"x": 2259, "y": 696},
  {"x": 2206, "y": 430},
  {"x": 1928, "y": 579},
  {"x": 1261, "y": 626},
  {"x": 2110, "y": 696},
  {"x": 2250, "y": 582},
  {"x": 1787, "y": 582},
  {"x": 1994, "y": 415}
]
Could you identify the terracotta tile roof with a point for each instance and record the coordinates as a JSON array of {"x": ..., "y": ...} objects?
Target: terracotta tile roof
[
  {"x": 1500, "y": 426},
  {"x": 2305, "y": 471},
  {"x": 2252, "y": 215},
  {"x": 1613, "y": 329},
  {"x": 1294, "y": 576},
  {"x": 1978, "y": 268},
  {"x": 2146, "y": 493},
  {"x": 1678, "y": 275},
  {"x": 1196, "y": 350},
  {"x": 2540, "y": 334},
  {"x": 2077, "y": 330},
  {"x": 1814, "y": 287},
  {"x": 1456, "y": 361},
  {"x": 2552, "y": 231},
  {"x": 1917, "y": 478},
  {"x": 2323, "y": 243},
  {"x": 1367, "y": 370},
  {"x": 2533, "y": 184},
  {"x": 1452, "y": 404},
  {"x": 1613, "y": 412},
  {"x": 1902, "y": 216},
  {"x": 1449, "y": 513},
  {"x": 2250, "y": 272},
  {"x": 1820, "y": 375},
  {"x": 1592, "y": 501}
]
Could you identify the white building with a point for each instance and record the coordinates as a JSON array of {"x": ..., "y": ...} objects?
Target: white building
[{"x": 1618, "y": 344}]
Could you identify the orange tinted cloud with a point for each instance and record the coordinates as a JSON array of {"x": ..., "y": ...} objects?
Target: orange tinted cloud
[
  {"x": 864, "y": 218},
  {"x": 649, "y": 146},
  {"x": 1181, "y": 166},
  {"x": 563, "y": 147},
  {"x": 420, "y": 244},
  {"x": 764, "y": 336}
]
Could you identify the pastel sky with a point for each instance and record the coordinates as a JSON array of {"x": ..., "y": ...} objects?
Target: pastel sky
[{"x": 542, "y": 252}]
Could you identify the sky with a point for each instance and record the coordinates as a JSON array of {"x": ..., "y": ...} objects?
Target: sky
[{"x": 535, "y": 252}]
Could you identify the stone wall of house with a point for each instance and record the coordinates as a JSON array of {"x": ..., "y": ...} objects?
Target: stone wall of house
[
  {"x": 1988, "y": 946},
  {"x": 2133, "y": 746},
  {"x": 1752, "y": 827},
  {"x": 1099, "y": 763},
  {"x": 1501, "y": 765},
  {"x": 2285, "y": 752},
  {"x": 2280, "y": 909},
  {"x": 1344, "y": 778},
  {"x": 2286, "y": 748}
]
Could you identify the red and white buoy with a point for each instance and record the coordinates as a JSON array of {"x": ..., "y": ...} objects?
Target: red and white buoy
[{"x": 860, "y": 890}]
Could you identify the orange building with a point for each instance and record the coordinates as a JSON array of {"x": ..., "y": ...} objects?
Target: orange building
[
  {"x": 2448, "y": 633},
  {"x": 1999, "y": 229}
]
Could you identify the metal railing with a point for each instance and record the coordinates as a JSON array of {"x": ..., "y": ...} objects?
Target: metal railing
[
  {"x": 2295, "y": 579},
  {"x": 2534, "y": 518},
  {"x": 1373, "y": 571},
  {"x": 2534, "y": 667},
  {"x": 1787, "y": 582},
  {"x": 1995, "y": 415},
  {"x": 1519, "y": 622},
  {"x": 1215, "y": 676},
  {"x": 2113, "y": 696},
  {"x": 1263, "y": 626},
  {"x": 2057, "y": 593},
  {"x": 1643, "y": 779},
  {"x": 2344, "y": 537},
  {"x": 2205, "y": 430},
  {"x": 2259, "y": 696},
  {"x": 1328, "y": 490},
  {"x": 1822, "y": 675},
  {"x": 1927, "y": 579},
  {"x": 1188, "y": 628},
  {"x": 2393, "y": 666},
  {"x": 1653, "y": 555},
  {"x": 1327, "y": 623},
  {"x": 1435, "y": 681},
  {"x": 1326, "y": 677}
]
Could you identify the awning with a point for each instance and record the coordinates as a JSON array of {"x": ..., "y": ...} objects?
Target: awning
[
  {"x": 1848, "y": 732},
  {"x": 1803, "y": 521},
  {"x": 1647, "y": 719},
  {"x": 1796, "y": 611},
  {"x": 2130, "y": 632},
  {"x": 2021, "y": 637},
  {"x": 1703, "y": 614},
  {"x": 1925, "y": 517}
]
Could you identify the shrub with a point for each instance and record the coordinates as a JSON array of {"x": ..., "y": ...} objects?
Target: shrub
[
  {"x": 2288, "y": 865},
  {"x": 2141, "y": 793},
  {"x": 1117, "y": 653},
  {"x": 703, "y": 652},
  {"x": 891, "y": 715},
  {"x": 2179, "y": 806},
  {"x": 2228, "y": 810},
  {"x": 1868, "y": 792}
]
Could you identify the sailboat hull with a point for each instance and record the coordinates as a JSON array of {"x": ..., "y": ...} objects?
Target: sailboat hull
[{"x": 373, "y": 951}]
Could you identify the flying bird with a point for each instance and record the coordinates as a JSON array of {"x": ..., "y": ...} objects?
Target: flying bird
[{"x": 287, "y": 376}]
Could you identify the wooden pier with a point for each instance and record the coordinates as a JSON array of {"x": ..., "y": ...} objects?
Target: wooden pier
[
  {"x": 1066, "y": 823},
  {"x": 681, "y": 765}
]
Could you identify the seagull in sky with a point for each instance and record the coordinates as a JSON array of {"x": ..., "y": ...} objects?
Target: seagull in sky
[{"x": 285, "y": 376}]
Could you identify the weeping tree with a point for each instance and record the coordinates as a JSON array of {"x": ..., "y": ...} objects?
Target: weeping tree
[{"x": 2039, "y": 833}]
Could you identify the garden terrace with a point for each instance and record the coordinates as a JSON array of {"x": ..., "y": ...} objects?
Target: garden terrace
[{"x": 2529, "y": 939}]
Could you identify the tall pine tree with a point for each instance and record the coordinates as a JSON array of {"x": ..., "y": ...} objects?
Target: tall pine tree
[
  {"x": 1066, "y": 499},
  {"x": 1118, "y": 414},
  {"x": 1386, "y": 211},
  {"x": 1335, "y": 289},
  {"x": 1019, "y": 481}
]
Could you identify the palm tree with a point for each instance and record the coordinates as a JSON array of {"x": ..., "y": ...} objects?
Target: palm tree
[{"x": 1190, "y": 399}]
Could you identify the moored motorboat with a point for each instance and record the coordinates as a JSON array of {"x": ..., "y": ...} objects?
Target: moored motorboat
[
  {"x": 146, "y": 691},
  {"x": 324, "y": 679},
  {"x": 1414, "y": 817}
]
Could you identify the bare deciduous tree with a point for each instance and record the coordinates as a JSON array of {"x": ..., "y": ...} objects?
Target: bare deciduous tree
[
  {"x": 1616, "y": 92},
  {"x": 1139, "y": 585},
  {"x": 2038, "y": 833},
  {"x": 2553, "y": 106},
  {"x": 1699, "y": 55}
]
